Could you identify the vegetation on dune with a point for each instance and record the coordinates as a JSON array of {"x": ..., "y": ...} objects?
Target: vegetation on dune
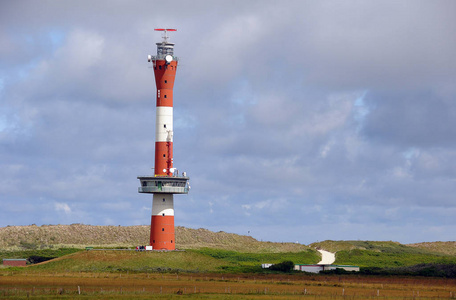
[
  {"x": 132, "y": 261},
  {"x": 34, "y": 237},
  {"x": 437, "y": 248},
  {"x": 208, "y": 251},
  {"x": 251, "y": 262},
  {"x": 75, "y": 235},
  {"x": 448, "y": 248},
  {"x": 382, "y": 254},
  {"x": 208, "y": 248},
  {"x": 37, "y": 256},
  {"x": 205, "y": 260},
  {"x": 333, "y": 246},
  {"x": 389, "y": 258},
  {"x": 305, "y": 257},
  {"x": 390, "y": 261},
  {"x": 379, "y": 246},
  {"x": 187, "y": 238},
  {"x": 80, "y": 236},
  {"x": 385, "y": 254}
]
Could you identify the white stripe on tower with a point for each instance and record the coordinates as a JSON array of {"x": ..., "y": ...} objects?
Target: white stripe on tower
[
  {"x": 160, "y": 207},
  {"x": 164, "y": 124}
]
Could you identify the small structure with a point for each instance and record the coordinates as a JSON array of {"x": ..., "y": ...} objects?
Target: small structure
[
  {"x": 15, "y": 262},
  {"x": 319, "y": 268}
]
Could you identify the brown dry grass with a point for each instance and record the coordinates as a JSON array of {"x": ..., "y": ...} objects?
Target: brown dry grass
[
  {"x": 80, "y": 236},
  {"x": 188, "y": 238},
  {"x": 448, "y": 248},
  {"x": 216, "y": 286},
  {"x": 73, "y": 235}
]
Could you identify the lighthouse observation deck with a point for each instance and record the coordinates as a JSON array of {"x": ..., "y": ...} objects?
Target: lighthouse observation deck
[
  {"x": 164, "y": 184},
  {"x": 165, "y": 49}
]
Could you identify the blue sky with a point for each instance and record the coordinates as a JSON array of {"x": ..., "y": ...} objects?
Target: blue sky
[{"x": 296, "y": 121}]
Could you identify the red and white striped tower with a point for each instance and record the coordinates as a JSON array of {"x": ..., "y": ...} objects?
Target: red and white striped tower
[{"x": 166, "y": 181}]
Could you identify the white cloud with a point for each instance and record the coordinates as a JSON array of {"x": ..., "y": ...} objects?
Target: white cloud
[
  {"x": 62, "y": 207},
  {"x": 337, "y": 114}
]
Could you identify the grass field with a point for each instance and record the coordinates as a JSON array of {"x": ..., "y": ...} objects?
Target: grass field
[
  {"x": 372, "y": 254},
  {"x": 203, "y": 260},
  {"x": 132, "y": 261},
  {"x": 124, "y": 285},
  {"x": 211, "y": 268},
  {"x": 209, "y": 273}
]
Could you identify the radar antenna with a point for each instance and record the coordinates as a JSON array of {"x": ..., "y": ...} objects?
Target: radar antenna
[{"x": 165, "y": 30}]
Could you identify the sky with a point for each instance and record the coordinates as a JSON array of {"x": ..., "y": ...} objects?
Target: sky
[{"x": 297, "y": 121}]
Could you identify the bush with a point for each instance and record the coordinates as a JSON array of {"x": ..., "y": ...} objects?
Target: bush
[
  {"x": 428, "y": 270},
  {"x": 285, "y": 266},
  {"x": 34, "y": 259},
  {"x": 28, "y": 246},
  {"x": 337, "y": 271}
]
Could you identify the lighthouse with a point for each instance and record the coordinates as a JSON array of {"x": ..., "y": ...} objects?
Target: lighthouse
[{"x": 166, "y": 180}]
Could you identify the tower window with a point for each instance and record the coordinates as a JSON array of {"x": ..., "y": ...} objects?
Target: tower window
[
  {"x": 171, "y": 241},
  {"x": 163, "y": 229},
  {"x": 166, "y": 96},
  {"x": 163, "y": 214},
  {"x": 164, "y": 126},
  {"x": 163, "y": 199},
  {"x": 164, "y": 155},
  {"x": 166, "y": 81},
  {"x": 160, "y": 67}
]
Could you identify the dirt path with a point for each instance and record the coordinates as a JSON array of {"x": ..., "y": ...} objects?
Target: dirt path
[{"x": 327, "y": 258}]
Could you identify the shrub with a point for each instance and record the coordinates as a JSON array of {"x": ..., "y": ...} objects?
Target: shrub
[
  {"x": 34, "y": 259},
  {"x": 285, "y": 266},
  {"x": 28, "y": 246}
]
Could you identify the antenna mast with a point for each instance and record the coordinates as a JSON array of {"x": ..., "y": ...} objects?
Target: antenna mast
[{"x": 165, "y": 30}]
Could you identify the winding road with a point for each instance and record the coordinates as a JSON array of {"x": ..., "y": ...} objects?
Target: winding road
[{"x": 327, "y": 258}]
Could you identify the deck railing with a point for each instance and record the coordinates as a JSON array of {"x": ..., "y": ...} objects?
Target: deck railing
[{"x": 163, "y": 189}]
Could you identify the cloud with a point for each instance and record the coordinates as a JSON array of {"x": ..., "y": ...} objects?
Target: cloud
[
  {"x": 323, "y": 116},
  {"x": 62, "y": 207}
]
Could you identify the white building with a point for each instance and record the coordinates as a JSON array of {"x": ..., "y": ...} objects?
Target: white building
[{"x": 318, "y": 268}]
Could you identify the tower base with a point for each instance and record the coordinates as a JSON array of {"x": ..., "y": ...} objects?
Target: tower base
[{"x": 162, "y": 235}]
